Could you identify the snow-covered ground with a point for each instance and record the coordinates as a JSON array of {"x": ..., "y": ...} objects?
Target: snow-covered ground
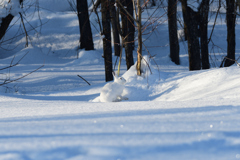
[{"x": 52, "y": 114}]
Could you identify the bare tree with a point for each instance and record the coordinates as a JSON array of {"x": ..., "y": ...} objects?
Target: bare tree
[
  {"x": 203, "y": 25},
  {"x": 5, "y": 24},
  {"x": 129, "y": 46},
  {"x": 191, "y": 21},
  {"x": 172, "y": 29},
  {"x": 231, "y": 22},
  {"x": 127, "y": 29},
  {"x": 139, "y": 26},
  {"x": 86, "y": 40},
  {"x": 123, "y": 13},
  {"x": 138, "y": 20},
  {"x": 116, "y": 38},
  {"x": 107, "y": 48}
]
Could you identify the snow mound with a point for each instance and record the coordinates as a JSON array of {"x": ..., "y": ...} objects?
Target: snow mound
[
  {"x": 138, "y": 88},
  {"x": 131, "y": 86},
  {"x": 213, "y": 84},
  {"x": 208, "y": 85}
]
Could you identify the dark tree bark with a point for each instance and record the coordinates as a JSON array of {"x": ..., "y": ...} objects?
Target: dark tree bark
[
  {"x": 5, "y": 24},
  {"x": 203, "y": 12},
  {"x": 153, "y": 3},
  {"x": 124, "y": 22},
  {"x": 115, "y": 31},
  {"x": 129, "y": 46},
  {"x": 107, "y": 48},
  {"x": 191, "y": 21},
  {"x": 184, "y": 26},
  {"x": 86, "y": 40},
  {"x": 172, "y": 28},
  {"x": 231, "y": 22}
]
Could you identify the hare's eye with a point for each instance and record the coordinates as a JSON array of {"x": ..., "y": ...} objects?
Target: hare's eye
[{"x": 121, "y": 78}]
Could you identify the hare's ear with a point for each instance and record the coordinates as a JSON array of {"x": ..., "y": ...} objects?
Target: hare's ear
[{"x": 114, "y": 76}]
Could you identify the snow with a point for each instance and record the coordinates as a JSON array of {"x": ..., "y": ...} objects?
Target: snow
[
  {"x": 9, "y": 7},
  {"x": 170, "y": 112}
]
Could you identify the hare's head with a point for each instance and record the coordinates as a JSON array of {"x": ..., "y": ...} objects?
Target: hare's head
[{"x": 119, "y": 80}]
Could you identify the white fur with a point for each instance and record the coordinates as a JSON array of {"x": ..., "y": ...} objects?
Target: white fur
[{"x": 112, "y": 91}]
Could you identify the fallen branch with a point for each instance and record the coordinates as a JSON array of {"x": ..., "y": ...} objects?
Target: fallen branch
[{"x": 84, "y": 80}]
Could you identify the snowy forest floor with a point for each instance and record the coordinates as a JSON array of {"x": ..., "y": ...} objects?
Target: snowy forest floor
[{"x": 52, "y": 114}]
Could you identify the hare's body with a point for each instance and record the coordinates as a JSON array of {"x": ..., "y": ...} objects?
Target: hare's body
[{"x": 112, "y": 92}]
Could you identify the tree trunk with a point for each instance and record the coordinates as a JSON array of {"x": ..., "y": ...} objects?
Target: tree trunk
[
  {"x": 5, "y": 24},
  {"x": 86, "y": 40},
  {"x": 139, "y": 50},
  {"x": 124, "y": 22},
  {"x": 184, "y": 26},
  {"x": 172, "y": 28},
  {"x": 115, "y": 31},
  {"x": 153, "y": 3},
  {"x": 231, "y": 21},
  {"x": 129, "y": 46},
  {"x": 107, "y": 48},
  {"x": 203, "y": 10},
  {"x": 191, "y": 22}
]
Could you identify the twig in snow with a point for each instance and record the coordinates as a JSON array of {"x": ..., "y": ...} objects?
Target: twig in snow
[{"x": 84, "y": 80}]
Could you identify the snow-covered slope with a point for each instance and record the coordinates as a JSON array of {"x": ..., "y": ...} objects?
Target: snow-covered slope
[
  {"x": 170, "y": 113},
  {"x": 214, "y": 84}
]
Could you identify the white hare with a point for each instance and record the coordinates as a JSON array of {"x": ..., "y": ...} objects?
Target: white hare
[{"x": 112, "y": 91}]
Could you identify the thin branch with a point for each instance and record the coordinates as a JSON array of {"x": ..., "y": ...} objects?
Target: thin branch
[
  {"x": 10, "y": 66},
  {"x": 230, "y": 60},
  {"x": 84, "y": 80},
  {"x": 24, "y": 29},
  {"x": 21, "y": 77},
  {"x": 21, "y": 34},
  {"x": 153, "y": 60},
  {"x": 134, "y": 8},
  {"x": 126, "y": 11},
  {"x": 215, "y": 21},
  {"x": 95, "y": 6}
]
